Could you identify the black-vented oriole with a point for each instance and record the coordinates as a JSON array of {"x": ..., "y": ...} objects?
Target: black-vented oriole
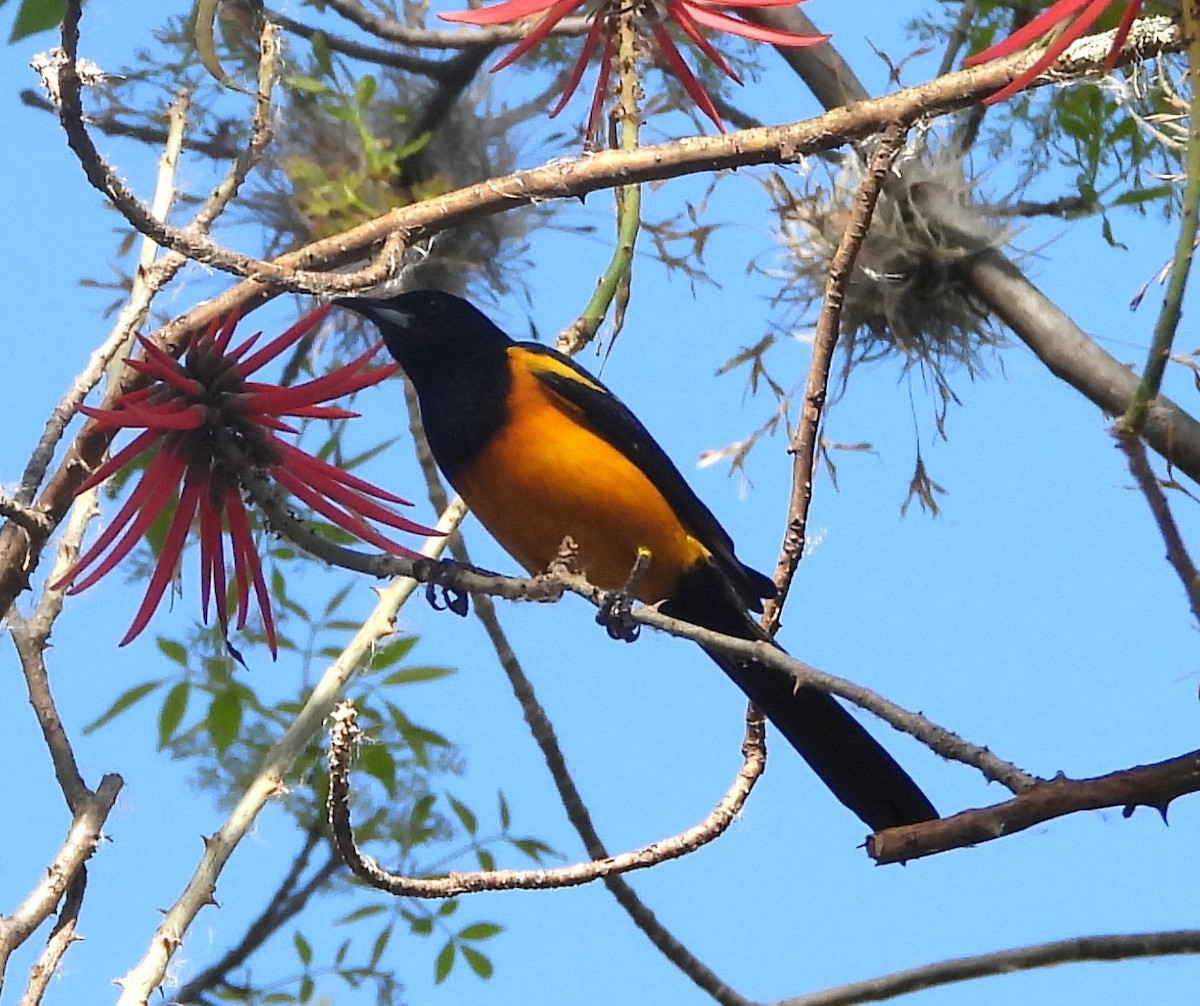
[{"x": 539, "y": 449}]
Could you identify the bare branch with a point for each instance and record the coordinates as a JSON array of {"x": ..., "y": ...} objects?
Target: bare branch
[
  {"x": 1148, "y": 483},
  {"x": 803, "y": 447},
  {"x": 1120, "y": 947},
  {"x": 1147, "y": 785},
  {"x": 81, "y": 842},
  {"x": 57, "y": 943}
]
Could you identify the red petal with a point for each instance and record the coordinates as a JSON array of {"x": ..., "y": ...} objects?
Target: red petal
[
  {"x": 277, "y": 345},
  {"x": 512, "y": 10},
  {"x": 679, "y": 13},
  {"x": 248, "y": 568},
  {"x": 300, "y": 459},
  {"x": 147, "y": 499},
  {"x": 119, "y": 460},
  {"x": 736, "y": 26},
  {"x": 1033, "y": 31},
  {"x": 172, "y": 548},
  {"x": 602, "y": 74},
  {"x": 347, "y": 522},
  {"x": 220, "y": 340},
  {"x": 685, "y": 76},
  {"x": 1053, "y": 51},
  {"x": 1127, "y": 19},
  {"x": 538, "y": 32},
  {"x": 212, "y": 560},
  {"x": 589, "y": 45}
]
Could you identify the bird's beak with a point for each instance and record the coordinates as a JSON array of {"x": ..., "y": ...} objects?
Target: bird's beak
[{"x": 377, "y": 311}]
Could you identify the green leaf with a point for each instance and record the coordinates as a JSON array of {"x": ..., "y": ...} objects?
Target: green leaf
[
  {"x": 303, "y": 948},
  {"x": 307, "y": 987},
  {"x": 34, "y": 16},
  {"x": 126, "y": 699},
  {"x": 413, "y": 675},
  {"x": 377, "y": 761},
  {"x": 505, "y": 815},
  {"x": 171, "y": 713},
  {"x": 448, "y": 908},
  {"x": 309, "y": 85},
  {"x": 392, "y": 652},
  {"x": 531, "y": 847},
  {"x": 464, "y": 813},
  {"x": 480, "y": 931},
  {"x": 364, "y": 90},
  {"x": 224, "y": 719},
  {"x": 444, "y": 963},
  {"x": 422, "y": 926},
  {"x": 480, "y": 964},
  {"x": 361, "y": 913},
  {"x": 486, "y": 861},
  {"x": 321, "y": 53},
  {"x": 173, "y": 650},
  {"x": 380, "y": 945}
]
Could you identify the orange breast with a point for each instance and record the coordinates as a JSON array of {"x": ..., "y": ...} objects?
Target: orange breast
[{"x": 545, "y": 476}]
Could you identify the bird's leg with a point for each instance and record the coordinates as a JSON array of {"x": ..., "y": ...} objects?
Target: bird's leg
[{"x": 615, "y": 609}]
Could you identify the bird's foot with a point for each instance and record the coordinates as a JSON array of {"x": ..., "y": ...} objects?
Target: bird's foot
[
  {"x": 440, "y": 577},
  {"x": 616, "y": 610}
]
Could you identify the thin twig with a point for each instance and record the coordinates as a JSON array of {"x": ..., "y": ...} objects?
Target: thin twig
[
  {"x": 397, "y": 59},
  {"x": 617, "y": 277},
  {"x": 1119, "y": 947},
  {"x": 803, "y": 447},
  {"x": 1185, "y": 243},
  {"x": 1151, "y": 488},
  {"x": 57, "y": 943}
]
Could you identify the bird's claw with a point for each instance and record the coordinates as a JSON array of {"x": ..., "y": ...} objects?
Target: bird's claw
[{"x": 616, "y": 610}]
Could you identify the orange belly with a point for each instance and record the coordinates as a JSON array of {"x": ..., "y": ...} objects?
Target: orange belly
[{"x": 544, "y": 476}]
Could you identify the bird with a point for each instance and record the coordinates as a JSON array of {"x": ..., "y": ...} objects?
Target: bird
[{"x": 539, "y": 449}]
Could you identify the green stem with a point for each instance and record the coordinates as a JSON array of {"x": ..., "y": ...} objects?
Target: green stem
[
  {"x": 614, "y": 284},
  {"x": 1168, "y": 319}
]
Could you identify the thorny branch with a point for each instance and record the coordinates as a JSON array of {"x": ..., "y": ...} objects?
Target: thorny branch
[
  {"x": 1146, "y": 786},
  {"x": 344, "y": 736}
]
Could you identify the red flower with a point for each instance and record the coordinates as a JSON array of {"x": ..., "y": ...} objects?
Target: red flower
[
  {"x": 689, "y": 15},
  {"x": 197, "y": 412},
  {"x": 1081, "y": 14}
]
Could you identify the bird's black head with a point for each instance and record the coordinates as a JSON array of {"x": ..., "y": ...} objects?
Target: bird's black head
[{"x": 429, "y": 330}]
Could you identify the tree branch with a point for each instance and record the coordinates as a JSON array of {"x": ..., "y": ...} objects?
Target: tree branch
[
  {"x": 1146, "y": 785},
  {"x": 1123, "y": 946}
]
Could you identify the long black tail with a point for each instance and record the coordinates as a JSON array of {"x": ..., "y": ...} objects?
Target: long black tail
[{"x": 855, "y": 767}]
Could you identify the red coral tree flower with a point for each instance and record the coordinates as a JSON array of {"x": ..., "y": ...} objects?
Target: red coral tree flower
[
  {"x": 690, "y": 16},
  {"x": 1080, "y": 15},
  {"x": 202, "y": 419}
]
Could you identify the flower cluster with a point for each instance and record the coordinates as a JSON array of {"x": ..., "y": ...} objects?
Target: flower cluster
[
  {"x": 690, "y": 16},
  {"x": 1078, "y": 16},
  {"x": 203, "y": 423}
]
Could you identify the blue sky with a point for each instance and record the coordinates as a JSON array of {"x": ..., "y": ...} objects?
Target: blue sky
[{"x": 1035, "y": 615}]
